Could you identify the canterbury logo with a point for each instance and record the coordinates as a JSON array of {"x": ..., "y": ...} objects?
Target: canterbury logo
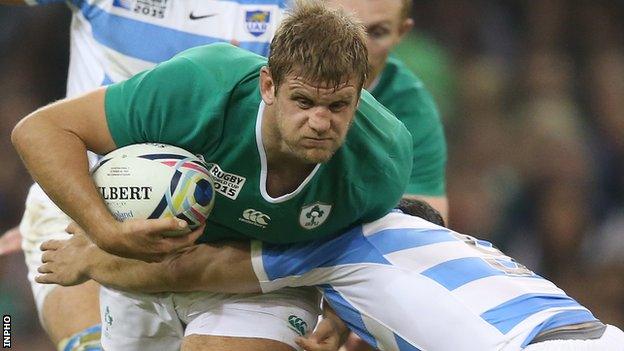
[
  {"x": 255, "y": 217},
  {"x": 297, "y": 324}
]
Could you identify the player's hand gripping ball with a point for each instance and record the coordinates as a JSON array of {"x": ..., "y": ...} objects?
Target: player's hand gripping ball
[{"x": 146, "y": 181}]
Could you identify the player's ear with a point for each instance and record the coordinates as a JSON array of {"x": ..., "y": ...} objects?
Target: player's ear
[
  {"x": 406, "y": 27},
  {"x": 267, "y": 86}
]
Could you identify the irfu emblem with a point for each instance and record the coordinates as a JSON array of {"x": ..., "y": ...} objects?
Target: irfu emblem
[{"x": 314, "y": 215}]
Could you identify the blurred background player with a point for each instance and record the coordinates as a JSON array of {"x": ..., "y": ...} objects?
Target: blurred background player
[
  {"x": 111, "y": 41},
  {"x": 486, "y": 300}
]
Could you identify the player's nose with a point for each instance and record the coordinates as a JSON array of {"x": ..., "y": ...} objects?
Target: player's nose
[{"x": 319, "y": 119}]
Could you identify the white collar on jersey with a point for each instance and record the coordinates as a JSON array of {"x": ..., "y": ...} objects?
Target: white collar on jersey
[{"x": 264, "y": 168}]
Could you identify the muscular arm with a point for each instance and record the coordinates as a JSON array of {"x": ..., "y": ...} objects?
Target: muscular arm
[
  {"x": 52, "y": 143},
  {"x": 224, "y": 268}
]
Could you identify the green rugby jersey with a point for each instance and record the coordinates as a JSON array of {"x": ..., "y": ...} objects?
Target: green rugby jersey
[
  {"x": 207, "y": 100},
  {"x": 399, "y": 90}
]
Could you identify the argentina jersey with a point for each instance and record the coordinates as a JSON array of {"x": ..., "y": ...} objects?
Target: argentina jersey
[
  {"x": 111, "y": 40},
  {"x": 402, "y": 283}
]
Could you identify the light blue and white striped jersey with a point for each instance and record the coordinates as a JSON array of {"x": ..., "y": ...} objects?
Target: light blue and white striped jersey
[
  {"x": 403, "y": 283},
  {"x": 111, "y": 40}
]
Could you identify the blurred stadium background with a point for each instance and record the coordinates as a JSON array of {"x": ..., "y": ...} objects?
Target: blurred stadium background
[{"x": 532, "y": 97}]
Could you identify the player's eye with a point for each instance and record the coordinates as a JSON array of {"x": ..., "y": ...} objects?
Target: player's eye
[
  {"x": 377, "y": 32},
  {"x": 337, "y": 106},
  {"x": 304, "y": 103}
]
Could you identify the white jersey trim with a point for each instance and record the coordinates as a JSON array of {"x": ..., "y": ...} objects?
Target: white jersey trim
[
  {"x": 257, "y": 265},
  {"x": 264, "y": 167}
]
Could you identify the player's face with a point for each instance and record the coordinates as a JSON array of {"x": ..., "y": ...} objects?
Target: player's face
[
  {"x": 312, "y": 121},
  {"x": 384, "y": 26}
]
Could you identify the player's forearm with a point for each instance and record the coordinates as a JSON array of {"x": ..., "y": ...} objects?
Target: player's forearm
[
  {"x": 127, "y": 274},
  {"x": 210, "y": 268},
  {"x": 220, "y": 268},
  {"x": 56, "y": 158}
]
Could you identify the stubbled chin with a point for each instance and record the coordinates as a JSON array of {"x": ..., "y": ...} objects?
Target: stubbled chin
[
  {"x": 316, "y": 156},
  {"x": 310, "y": 155}
]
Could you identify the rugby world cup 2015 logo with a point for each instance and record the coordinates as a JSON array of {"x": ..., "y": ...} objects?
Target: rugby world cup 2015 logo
[{"x": 257, "y": 22}]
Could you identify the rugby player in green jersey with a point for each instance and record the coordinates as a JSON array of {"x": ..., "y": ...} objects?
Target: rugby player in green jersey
[
  {"x": 316, "y": 157},
  {"x": 281, "y": 126}
]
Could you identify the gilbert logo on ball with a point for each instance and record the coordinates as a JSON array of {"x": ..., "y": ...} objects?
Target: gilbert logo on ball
[{"x": 155, "y": 181}]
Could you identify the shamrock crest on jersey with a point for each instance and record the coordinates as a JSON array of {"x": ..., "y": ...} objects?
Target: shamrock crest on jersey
[{"x": 313, "y": 215}]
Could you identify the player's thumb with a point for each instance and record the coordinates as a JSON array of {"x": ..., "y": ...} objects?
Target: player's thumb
[
  {"x": 72, "y": 228},
  {"x": 163, "y": 225},
  {"x": 184, "y": 239}
]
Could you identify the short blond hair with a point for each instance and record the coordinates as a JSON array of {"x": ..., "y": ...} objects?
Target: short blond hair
[{"x": 319, "y": 44}]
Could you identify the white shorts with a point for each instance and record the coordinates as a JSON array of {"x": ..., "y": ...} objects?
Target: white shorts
[
  {"x": 42, "y": 221},
  {"x": 132, "y": 321},
  {"x": 611, "y": 340}
]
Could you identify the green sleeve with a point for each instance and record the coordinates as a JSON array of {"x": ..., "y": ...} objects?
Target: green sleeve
[
  {"x": 406, "y": 96},
  {"x": 429, "y": 168},
  {"x": 393, "y": 164},
  {"x": 180, "y": 102},
  {"x": 417, "y": 110}
]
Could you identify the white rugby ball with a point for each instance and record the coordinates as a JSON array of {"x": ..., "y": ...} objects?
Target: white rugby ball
[{"x": 155, "y": 181}]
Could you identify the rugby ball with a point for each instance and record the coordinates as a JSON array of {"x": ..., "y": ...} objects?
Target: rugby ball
[{"x": 155, "y": 181}]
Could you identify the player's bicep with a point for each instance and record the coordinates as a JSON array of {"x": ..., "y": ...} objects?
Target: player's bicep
[
  {"x": 85, "y": 117},
  {"x": 81, "y": 116}
]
